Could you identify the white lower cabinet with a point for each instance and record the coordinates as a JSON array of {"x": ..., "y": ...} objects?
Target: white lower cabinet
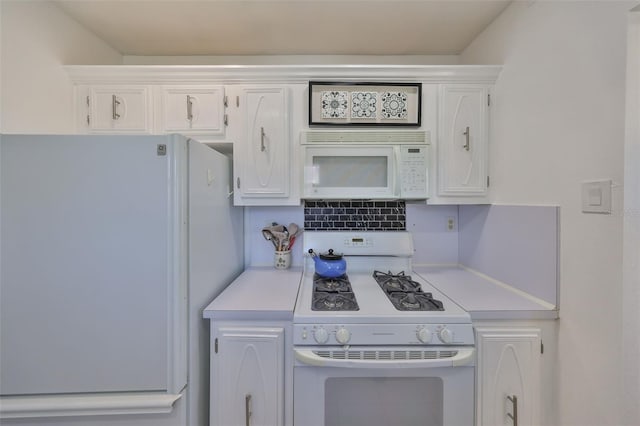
[
  {"x": 247, "y": 375},
  {"x": 508, "y": 376}
]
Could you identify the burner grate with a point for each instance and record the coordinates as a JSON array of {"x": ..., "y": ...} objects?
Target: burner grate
[
  {"x": 333, "y": 301},
  {"x": 333, "y": 294},
  {"x": 338, "y": 284},
  {"x": 406, "y": 294}
]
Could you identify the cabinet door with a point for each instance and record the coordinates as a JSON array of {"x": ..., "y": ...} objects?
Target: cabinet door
[
  {"x": 462, "y": 147},
  {"x": 264, "y": 160},
  {"x": 247, "y": 378},
  {"x": 124, "y": 109},
  {"x": 508, "y": 376},
  {"x": 189, "y": 109}
]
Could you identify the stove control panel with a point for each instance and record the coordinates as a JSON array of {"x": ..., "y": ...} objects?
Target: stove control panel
[
  {"x": 358, "y": 242},
  {"x": 383, "y": 334}
]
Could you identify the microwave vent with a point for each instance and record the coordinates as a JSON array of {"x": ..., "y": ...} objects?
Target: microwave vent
[{"x": 366, "y": 137}]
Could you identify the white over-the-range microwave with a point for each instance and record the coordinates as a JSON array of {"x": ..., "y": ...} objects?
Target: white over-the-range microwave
[{"x": 365, "y": 164}]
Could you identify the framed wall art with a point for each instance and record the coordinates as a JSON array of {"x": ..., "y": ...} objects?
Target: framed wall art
[{"x": 364, "y": 104}]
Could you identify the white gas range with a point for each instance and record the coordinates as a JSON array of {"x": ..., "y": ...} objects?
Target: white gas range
[
  {"x": 376, "y": 320},
  {"x": 379, "y": 335}
]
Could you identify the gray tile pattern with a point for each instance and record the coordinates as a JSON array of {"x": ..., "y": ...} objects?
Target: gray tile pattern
[{"x": 354, "y": 215}]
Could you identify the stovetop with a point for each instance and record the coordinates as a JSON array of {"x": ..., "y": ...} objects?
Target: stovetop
[
  {"x": 373, "y": 305},
  {"x": 403, "y": 309}
]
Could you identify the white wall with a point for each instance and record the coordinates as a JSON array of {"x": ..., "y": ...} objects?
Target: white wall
[
  {"x": 631, "y": 271},
  {"x": 558, "y": 120},
  {"x": 434, "y": 244},
  {"x": 36, "y": 40},
  {"x": 258, "y": 251}
]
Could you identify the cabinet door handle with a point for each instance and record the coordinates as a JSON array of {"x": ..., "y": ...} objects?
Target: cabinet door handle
[
  {"x": 189, "y": 108},
  {"x": 468, "y": 135},
  {"x": 247, "y": 409},
  {"x": 262, "y": 135},
  {"x": 514, "y": 404},
  {"x": 114, "y": 107}
]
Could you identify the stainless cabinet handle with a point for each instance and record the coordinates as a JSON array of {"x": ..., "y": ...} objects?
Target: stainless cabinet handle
[
  {"x": 247, "y": 409},
  {"x": 262, "y": 135},
  {"x": 467, "y": 134},
  {"x": 114, "y": 107},
  {"x": 514, "y": 404},
  {"x": 189, "y": 108}
]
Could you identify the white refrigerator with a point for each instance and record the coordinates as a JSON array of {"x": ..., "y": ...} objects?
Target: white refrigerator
[{"x": 111, "y": 246}]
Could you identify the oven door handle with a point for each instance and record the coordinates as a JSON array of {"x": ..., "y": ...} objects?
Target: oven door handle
[{"x": 462, "y": 358}]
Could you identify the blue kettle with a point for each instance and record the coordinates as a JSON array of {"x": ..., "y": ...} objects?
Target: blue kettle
[{"x": 329, "y": 265}]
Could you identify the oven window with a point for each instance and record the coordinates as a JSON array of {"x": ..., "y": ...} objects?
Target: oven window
[
  {"x": 351, "y": 171},
  {"x": 384, "y": 401}
]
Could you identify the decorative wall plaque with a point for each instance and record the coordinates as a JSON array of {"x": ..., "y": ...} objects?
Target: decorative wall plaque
[{"x": 364, "y": 104}]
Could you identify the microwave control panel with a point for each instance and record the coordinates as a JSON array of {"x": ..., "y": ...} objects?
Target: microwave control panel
[{"x": 414, "y": 182}]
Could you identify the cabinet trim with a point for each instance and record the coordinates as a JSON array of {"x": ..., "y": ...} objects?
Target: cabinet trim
[
  {"x": 86, "y": 405},
  {"x": 94, "y": 74}
]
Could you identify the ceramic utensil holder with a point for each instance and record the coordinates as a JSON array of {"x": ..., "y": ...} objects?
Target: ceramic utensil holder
[{"x": 282, "y": 259}]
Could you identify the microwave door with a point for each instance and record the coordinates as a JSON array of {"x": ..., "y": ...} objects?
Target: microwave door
[{"x": 350, "y": 172}]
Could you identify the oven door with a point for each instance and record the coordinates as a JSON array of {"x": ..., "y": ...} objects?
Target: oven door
[
  {"x": 383, "y": 387},
  {"x": 335, "y": 172}
]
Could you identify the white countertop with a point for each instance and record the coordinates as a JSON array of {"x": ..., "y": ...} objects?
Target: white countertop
[
  {"x": 265, "y": 293},
  {"x": 483, "y": 297},
  {"x": 261, "y": 293}
]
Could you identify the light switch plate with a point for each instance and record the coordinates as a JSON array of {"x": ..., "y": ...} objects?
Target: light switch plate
[{"x": 596, "y": 197}]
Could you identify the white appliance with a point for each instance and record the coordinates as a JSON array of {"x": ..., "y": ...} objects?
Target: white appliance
[
  {"x": 371, "y": 164},
  {"x": 111, "y": 246},
  {"x": 379, "y": 346}
]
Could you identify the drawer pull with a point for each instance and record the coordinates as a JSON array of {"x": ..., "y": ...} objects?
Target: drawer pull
[
  {"x": 514, "y": 404},
  {"x": 247, "y": 409}
]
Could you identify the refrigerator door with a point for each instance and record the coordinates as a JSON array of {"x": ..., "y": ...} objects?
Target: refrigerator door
[
  {"x": 216, "y": 258},
  {"x": 89, "y": 275}
]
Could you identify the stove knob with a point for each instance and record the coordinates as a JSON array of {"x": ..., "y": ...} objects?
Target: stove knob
[
  {"x": 424, "y": 335},
  {"x": 343, "y": 335},
  {"x": 445, "y": 335},
  {"x": 321, "y": 335}
]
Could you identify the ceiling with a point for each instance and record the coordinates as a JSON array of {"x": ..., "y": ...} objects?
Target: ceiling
[{"x": 290, "y": 27}]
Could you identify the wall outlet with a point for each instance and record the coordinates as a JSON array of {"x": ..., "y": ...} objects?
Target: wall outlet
[{"x": 451, "y": 224}]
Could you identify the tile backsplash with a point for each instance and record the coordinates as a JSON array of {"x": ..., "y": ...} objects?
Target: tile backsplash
[{"x": 354, "y": 215}]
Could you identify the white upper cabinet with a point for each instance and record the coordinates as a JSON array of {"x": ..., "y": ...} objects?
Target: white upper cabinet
[
  {"x": 267, "y": 109},
  {"x": 262, "y": 161},
  {"x": 462, "y": 159},
  {"x": 192, "y": 109},
  {"x": 116, "y": 109}
]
